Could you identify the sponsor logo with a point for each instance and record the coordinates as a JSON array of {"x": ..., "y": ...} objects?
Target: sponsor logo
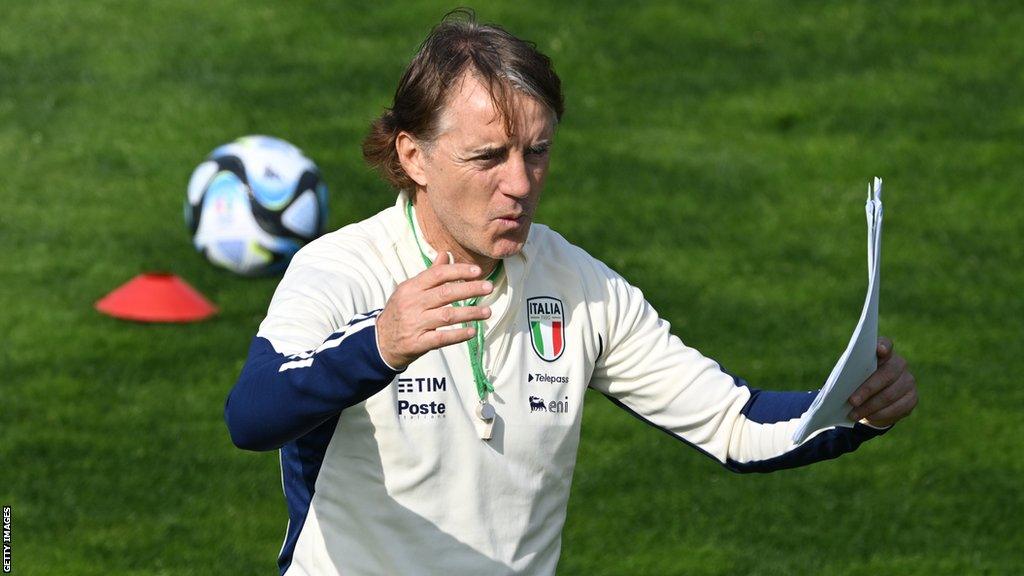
[
  {"x": 541, "y": 377},
  {"x": 428, "y": 384},
  {"x": 422, "y": 409},
  {"x": 546, "y": 316},
  {"x": 419, "y": 406},
  {"x": 538, "y": 404}
]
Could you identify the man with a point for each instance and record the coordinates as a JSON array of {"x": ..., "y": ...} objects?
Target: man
[{"x": 423, "y": 371}]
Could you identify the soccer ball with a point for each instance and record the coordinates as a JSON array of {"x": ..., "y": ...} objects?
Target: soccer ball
[{"x": 253, "y": 203}]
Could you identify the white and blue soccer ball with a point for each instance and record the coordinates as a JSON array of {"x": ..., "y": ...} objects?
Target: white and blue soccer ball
[{"x": 253, "y": 203}]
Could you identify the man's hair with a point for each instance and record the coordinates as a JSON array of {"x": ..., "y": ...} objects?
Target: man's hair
[{"x": 457, "y": 46}]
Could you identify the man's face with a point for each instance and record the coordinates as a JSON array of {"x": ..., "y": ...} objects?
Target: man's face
[{"x": 482, "y": 186}]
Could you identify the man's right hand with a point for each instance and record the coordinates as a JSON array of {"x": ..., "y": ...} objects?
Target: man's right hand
[{"x": 412, "y": 320}]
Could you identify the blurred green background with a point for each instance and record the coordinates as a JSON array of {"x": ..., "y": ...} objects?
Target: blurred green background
[{"x": 717, "y": 154}]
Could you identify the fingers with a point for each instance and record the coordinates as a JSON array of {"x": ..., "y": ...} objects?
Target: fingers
[
  {"x": 899, "y": 409},
  {"x": 884, "y": 349},
  {"x": 884, "y": 397},
  {"x": 881, "y": 378},
  {"x": 450, "y": 293},
  {"x": 440, "y": 338},
  {"x": 413, "y": 317},
  {"x": 450, "y": 316},
  {"x": 441, "y": 273},
  {"x": 890, "y": 403}
]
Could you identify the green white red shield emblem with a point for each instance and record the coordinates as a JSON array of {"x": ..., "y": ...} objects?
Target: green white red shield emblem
[{"x": 547, "y": 326}]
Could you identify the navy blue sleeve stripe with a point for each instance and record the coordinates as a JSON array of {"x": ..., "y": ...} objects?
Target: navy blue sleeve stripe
[
  {"x": 830, "y": 444},
  {"x": 300, "y": 466},
  {"x": 769, "y": 407},
  {"x": 270, "y": 405},
  {"x": 825, "y": 446}
]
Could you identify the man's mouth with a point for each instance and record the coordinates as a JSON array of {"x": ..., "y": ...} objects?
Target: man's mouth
[{"x": 512, "y": 221}]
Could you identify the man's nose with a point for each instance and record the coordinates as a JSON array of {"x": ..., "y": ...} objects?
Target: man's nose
[{"x": 516, "y": 180}]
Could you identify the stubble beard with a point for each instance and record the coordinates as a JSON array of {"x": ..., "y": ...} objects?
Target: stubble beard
[
  {"x": 502, "y": 246},
  {"x": 484, "y": 246}
]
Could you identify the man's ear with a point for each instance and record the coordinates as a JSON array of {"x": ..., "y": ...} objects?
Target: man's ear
[{"x": 411, "y": 155}]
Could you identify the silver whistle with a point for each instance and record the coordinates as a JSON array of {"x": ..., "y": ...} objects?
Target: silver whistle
[{"x": 485, "y": 412}]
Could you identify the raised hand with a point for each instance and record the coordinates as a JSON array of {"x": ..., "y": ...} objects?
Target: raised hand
[{"x": 413, "y": 319}]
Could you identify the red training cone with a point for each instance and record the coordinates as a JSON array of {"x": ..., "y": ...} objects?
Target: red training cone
[{"x": 156, "y": 297}]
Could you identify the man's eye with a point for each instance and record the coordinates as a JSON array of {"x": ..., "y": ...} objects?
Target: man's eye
[
  {"x": 537, "y": 150},
  {"x": 489, "y": 156}
]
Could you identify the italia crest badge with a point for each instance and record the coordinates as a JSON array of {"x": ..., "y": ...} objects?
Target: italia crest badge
[{"x": 547, "y": 326}]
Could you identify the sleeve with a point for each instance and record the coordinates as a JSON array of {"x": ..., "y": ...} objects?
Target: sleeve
[
  {"x": 295, "y": 378},
  {"x": 653, "y": 375}
]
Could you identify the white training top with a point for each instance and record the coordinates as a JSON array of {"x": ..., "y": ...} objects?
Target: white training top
[{"x": 398, "y": 481}]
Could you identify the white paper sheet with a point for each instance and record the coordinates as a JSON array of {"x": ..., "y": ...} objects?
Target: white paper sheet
[{"x": 859, "y": 360}]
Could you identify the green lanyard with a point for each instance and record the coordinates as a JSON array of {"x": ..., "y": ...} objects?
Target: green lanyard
[{"x": 476, "y": 343}]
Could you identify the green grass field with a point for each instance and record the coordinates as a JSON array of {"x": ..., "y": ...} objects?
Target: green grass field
[{"x": 716, "y": 154}]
